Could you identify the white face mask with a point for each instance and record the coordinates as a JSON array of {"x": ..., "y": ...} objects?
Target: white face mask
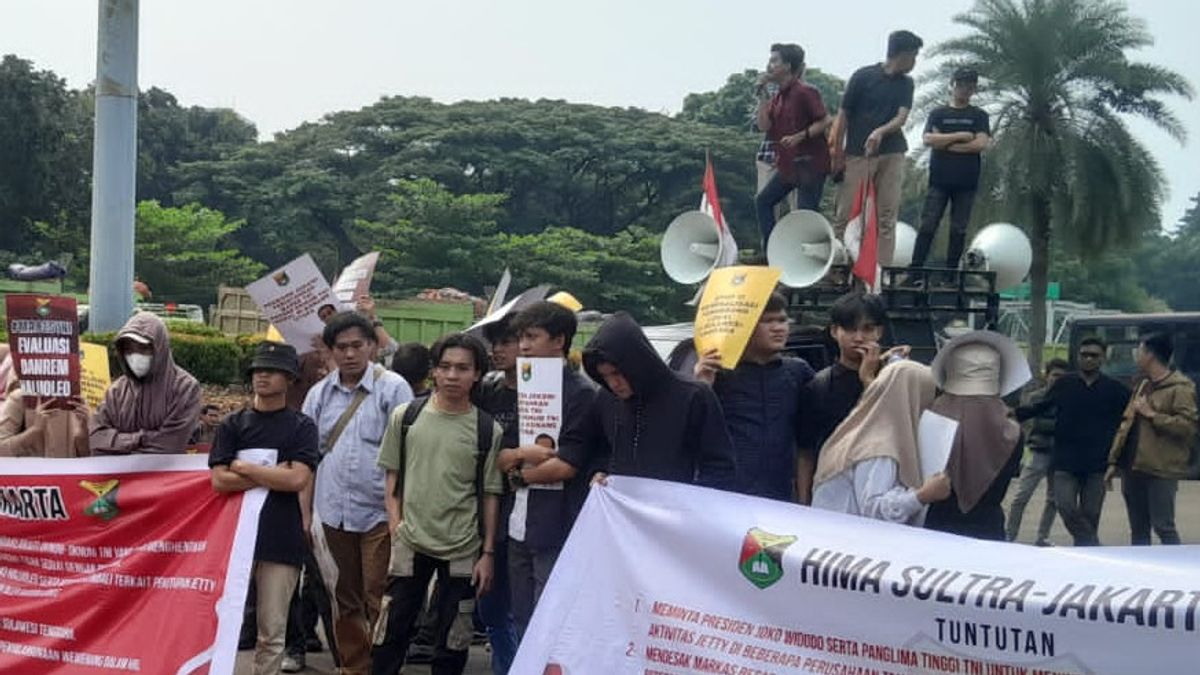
[{"x": 139, "y": 364}]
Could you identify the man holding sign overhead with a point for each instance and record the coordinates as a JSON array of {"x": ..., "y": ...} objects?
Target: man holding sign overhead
[{"x": 761, "y": 400}]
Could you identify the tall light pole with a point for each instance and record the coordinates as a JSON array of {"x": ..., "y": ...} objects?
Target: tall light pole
[{"x": 114, "y": 166}]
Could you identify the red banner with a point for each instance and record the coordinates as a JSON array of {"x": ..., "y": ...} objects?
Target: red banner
[
  {"x": 43, "y": 334},
  {"x": 121, "y": 564}
]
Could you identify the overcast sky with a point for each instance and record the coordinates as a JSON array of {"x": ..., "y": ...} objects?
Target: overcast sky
[{"x": 282, "y": 62}]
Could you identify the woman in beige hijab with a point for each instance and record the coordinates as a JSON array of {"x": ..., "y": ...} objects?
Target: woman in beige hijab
[
  {"x": 40, "y": 431},
  {"x": 870, "y": 465}
]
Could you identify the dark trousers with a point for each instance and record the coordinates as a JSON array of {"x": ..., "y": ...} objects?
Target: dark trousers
[
  {"x": 1079, "y": 499},
  {"x": 529, "y": 570},
  {"x": 495, "y": 611},
  {"x": 808, "y": 196},
  {"x": 960, "y": 201},
  {"x": 1150, "y": 503},
  {"x": 454, "y": 607}
]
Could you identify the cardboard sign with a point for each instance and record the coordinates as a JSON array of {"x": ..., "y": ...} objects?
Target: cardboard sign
[
  {"x": 94, "y": 376},
  {"x": 539, "y": 419},
  {"x": 43, "y": 334},
  {"x": 355, "y": 281},
  {"x": 291, "y": 298},
  {"x": 733, "y": 300}
]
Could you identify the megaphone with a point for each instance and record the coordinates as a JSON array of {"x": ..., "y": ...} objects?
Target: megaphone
[
  {"x": 691, "y": 247},
  {"x": 1001, "y": 248},
  {"x": 906, "y": 242},
  {"x": 803, "y": 247}
]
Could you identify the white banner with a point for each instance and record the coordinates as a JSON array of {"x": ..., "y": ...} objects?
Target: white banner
[{"x": 666, "y": 578}]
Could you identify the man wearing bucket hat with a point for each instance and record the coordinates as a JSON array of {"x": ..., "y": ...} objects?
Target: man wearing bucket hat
[
  {"x": 280, "y": 549},
  {"x": 973, "y": 371}
]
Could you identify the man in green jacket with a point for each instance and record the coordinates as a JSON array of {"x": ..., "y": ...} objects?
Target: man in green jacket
[{"x": 1163, "y": 434}]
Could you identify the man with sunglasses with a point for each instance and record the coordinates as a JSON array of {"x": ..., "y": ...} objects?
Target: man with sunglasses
[{"x": 1090, "y": 405}]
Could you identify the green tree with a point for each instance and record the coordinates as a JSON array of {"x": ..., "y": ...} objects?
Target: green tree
[
  {"x": 596, "y": 169},
  {"x": 1060, "y": 85},
  {"x": 185, "y": 253},
  {"x": 170, "y": 134},
  {"x": 430, "y": 237},
  {"x": 734, "y": 104},
  {"x": 45, "y": 155},
  {"x": 1167, "y": 263}
]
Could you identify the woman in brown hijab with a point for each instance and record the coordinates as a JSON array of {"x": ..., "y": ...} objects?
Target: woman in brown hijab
[{"x": 974, "y": 371}]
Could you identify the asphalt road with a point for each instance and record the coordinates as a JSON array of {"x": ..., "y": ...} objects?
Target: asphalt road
[{"x": 1114, "y": 530}]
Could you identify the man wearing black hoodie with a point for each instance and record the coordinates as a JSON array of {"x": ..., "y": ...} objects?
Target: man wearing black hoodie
[{"x": 657, "y": 423}]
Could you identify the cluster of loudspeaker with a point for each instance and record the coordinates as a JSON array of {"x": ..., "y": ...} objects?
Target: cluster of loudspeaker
[{"x": 803, "y": 247}]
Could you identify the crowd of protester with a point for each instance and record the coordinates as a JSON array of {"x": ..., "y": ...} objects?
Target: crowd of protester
[
  {"x": 441, "y": 524},
  {"x": 416, "y": 479}
]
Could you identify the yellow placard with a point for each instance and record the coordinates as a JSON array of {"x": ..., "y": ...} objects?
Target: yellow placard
[
  {"x": 733, "y": 300},
  {"x": 93, "y": 373},
  {"x": 273, "y": 334}
]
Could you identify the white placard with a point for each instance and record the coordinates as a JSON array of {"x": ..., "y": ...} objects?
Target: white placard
[
  {"x": 935, "y": 440},
  {"x": 290, "y": 298},
  {"x": 539, "y": 416}
]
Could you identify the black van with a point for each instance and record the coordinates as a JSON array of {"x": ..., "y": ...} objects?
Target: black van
[{"x": 1122, "y": 331}]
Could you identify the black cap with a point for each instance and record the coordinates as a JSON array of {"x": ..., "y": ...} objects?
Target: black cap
[
  {"x": 965, "y": 75},
  {"x": 276, "y": 356}
]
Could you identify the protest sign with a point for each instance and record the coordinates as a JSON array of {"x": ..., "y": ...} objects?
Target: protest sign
[
  {"x": 94, "y": 376},
  {"x": 121, "y": 564},
  {"x": 355, "y": 280},
  {"x": 661, "y": 577},
  {"x": 539, "y": 415},
  {"x": 291, "y": 298},
  {"x": 935, "y": 440},
  {"x": 43, "y": 336},
  {"x": 732, "y": 301}
]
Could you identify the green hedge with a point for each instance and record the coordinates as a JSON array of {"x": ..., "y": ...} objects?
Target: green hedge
[{"x": 205, "y": 352}]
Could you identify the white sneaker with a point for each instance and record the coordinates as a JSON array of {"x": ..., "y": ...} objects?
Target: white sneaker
[{"x": 292, "y": 665}]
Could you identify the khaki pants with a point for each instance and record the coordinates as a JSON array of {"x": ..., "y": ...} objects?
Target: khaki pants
[
  {"x": 275, "y": 584},
  {"x": 362, "y": 561},
  {"x": 888, "y": 172}
]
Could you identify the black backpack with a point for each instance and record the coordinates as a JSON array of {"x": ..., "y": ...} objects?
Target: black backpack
[{"x": 485, "y": 428}]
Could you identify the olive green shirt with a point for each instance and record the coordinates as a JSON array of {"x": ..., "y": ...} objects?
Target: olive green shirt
[{"x": 440, "y": 509}]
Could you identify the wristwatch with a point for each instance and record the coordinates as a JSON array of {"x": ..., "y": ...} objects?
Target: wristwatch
[{"x": 515, "y": 477}]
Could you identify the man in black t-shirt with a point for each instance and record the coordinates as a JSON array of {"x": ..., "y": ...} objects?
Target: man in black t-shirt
[
  {"x": 868, "y": 137},
  {"x": 497, "y": 396},
  {"x": 856, "y": 323},
  {"x": 280, "y": 549},
  {"x": 957, "y": 134}
]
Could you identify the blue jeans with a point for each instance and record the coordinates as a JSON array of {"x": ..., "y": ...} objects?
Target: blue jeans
[
  {"x": 808, "y": 196},
  {"x": 495, "y": 611}
]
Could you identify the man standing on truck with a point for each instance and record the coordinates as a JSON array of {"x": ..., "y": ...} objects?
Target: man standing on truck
[{"x": 1164, "y": 431}]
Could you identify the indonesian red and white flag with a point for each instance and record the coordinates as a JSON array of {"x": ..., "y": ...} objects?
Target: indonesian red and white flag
[
  {"x": 710, "y": 203},
  {"x": 863, "y": 227}
]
